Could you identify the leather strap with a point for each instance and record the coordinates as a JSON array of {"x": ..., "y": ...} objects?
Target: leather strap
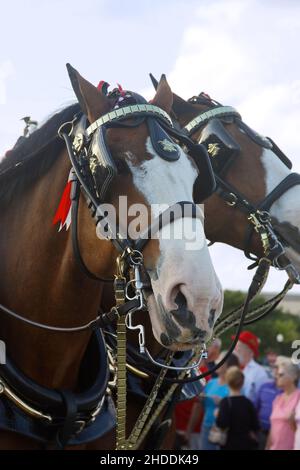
[
  {"x": 287, "y": 183},
  {"x": 75, "y": 195},
  {"x": 69, "y": 423}
]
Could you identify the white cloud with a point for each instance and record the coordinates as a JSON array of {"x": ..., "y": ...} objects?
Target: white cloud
[
  {"x": 6, "y": 71},
  {"x": 243, "y": 53}
]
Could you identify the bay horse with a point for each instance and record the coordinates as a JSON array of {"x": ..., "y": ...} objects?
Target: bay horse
[
  {"x": 253, "y": 174},
  {"x": 53, "y": 386},
  {"x": 254, "y": 177}
]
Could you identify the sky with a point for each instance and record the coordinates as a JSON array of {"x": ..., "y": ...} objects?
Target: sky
[{"x": 243, "y": 53}]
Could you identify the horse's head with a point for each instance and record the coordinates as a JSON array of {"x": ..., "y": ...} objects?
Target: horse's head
[
  {"x": 249, "y": 168},
  {"x": 150, "y": 174}
]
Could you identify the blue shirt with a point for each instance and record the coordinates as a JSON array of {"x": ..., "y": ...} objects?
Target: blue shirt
[
  {"x": 264, "y": 401},
  {"x": 213, "y": 387},
  {"x": 255, "y": 376}
]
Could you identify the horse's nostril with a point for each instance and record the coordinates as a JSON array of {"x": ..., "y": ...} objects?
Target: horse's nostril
[
  {"x": 200, "y": 334},
  {"x": 180, "y": 301},
  {"x": 195, "y": 337},
  {"x": 211, "y": 317},
  {"x": 165, "y": 340},
  {"x": 182, "y": 314}
]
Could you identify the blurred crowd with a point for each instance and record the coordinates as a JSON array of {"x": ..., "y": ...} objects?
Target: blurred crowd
[{"x": 243, "y": 405}]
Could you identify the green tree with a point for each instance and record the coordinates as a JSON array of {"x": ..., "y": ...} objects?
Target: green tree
[{"x": 268, "y": 328}]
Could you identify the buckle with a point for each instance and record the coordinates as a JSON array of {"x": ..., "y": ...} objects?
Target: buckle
[
  {"x": 96, "y": 411},
  {"x": 234, "y": 200},
  {"x": 82, "y": 424}
]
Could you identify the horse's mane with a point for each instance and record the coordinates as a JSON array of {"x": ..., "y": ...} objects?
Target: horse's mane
[{"x": 36, "y": 153}]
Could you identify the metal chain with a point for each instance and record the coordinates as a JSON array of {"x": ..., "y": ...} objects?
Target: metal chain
[
  {"x": 120, "y": 297},
  {"x": 130, "y": 443},
  {"x": 121, "y": 384},
  {"x": 121, "y": 442}
]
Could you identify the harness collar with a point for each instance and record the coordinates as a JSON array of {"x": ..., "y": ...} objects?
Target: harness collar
[{"x": 52, "y": 407}]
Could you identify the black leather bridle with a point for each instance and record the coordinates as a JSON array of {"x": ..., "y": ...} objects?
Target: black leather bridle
[{"x": 129, "y": 250}]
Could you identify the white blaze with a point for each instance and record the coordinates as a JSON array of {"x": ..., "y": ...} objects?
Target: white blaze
[
  {"x": 287, "y": 207},
  {"x": 181, "y": 262}
]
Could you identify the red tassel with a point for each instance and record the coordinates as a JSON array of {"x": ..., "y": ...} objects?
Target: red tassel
[
  {"x": 100, "y": 85},
  {"x": 122, "y": 92},
  {"x": 103, "y": 87},
  {"x": 64, "y": 205}
]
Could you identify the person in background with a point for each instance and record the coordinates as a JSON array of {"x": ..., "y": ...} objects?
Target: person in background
[
  {"x": 183, "y": 412},
  {"x": 193, "y": 407},
  {"x": 237, "y": 415},
  {"x": 271, "y": 357},
  {"x": 264, "y": 401},
  {"x": 247, "y": 349},
  {"x": 269, "y": 362},
  {"x": 213, "y": 392},
  {"x": 214, "y": 351},
  {"x": 282, "y": 431}
]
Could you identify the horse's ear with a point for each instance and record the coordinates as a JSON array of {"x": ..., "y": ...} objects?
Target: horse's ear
[
  {"x": 164, "y": 96},
  {"x": 154, "y": 81},
  {"x": 180, "y": 106},
  {"x": 92, "y": 102}
]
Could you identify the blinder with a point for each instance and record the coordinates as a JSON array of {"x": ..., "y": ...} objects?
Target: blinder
[
  {"x": 161, "y": 142},
  {"x": 220, "y": 145},
  {"x": 98, "y": 166},
  {"x": 205, "y": 183},
  {"x": 101, "y": 164}
]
